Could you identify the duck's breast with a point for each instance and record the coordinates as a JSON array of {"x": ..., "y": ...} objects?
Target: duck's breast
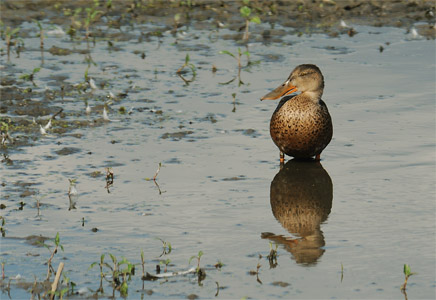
[{"x": 301, "y": 128}]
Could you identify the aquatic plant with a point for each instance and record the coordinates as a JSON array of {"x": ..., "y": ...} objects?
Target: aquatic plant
[
  {"x": 70, "y": 285},
  {"x": 234, "y": 102},
  {"x": 109, "y": 178},
  {"x": 198, "y": 257},
  {"x": 5, "y": 126},
  {"x": 30, "y": 76},
  {"x": 245, "y": 12},
  {"x": 166, "y": 247},
  {"x": 57, "y": 244},
  {"x": 342, "y": 272},
  {"x": 143, "y": 265},
  {"x": 101, "y": 264},
  {"x": 407, "y": 273},
  {"x": 109, "y": 4},
  {"x": 154, "y": 179},
  {"x": 91, "y": 15},
  {"x": 218, "y": 265},
  {"x": 123, "y": 269},
  {"x": 2, "y": 228},
  {"x": 238, "y": 59},
  {"x": 256, "y": 272},
  {"x": 272, "y": 256},
  {"x": 41, "y": 33},
  {"x": 74, "y": 22},
  {"x": 165, "y": 262},
  {"x": 191, "y": 66},
  {"x": 10, "y": 37}
]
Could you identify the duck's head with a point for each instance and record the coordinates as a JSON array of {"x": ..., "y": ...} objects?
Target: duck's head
[{"x": 306, "y": 78}]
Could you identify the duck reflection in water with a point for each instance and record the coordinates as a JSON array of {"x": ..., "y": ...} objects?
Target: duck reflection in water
[{"x": 301, "y": 199}]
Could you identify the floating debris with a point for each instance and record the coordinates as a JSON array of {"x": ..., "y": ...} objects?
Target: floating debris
[
  {"x": 56, "y": 32},
  {"x": 88, "y": 108},
  {"x": 73, "y": 195},
  {"x": 343, "y": 24},
  {"x": 42, "y": 130},
  {"x": 105, "y": 116},
  {"x": 414, "y": 35},
  {"x": 48, "y": 125},
  {"x": 111, "y": 95},
  {"x": 168, "y": 274},
  {"x": 92, "y": 84}
]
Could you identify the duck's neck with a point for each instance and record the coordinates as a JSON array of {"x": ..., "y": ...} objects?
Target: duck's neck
[{"x": 314, "y": 96}]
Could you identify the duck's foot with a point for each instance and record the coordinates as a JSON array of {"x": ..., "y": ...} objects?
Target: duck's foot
[
  {"x": 282, "y": 160},
  {"x": 282, "y": 157}
]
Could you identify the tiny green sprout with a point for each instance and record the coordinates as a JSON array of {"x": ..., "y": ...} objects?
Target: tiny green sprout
[
  {"x": 86, "y": 74},
  {"x": 166, "y": 247},
  {"x": 198, "y": 257},
  {"x": 91, "y": 15},
  {"x": 109, "y": 4},
  {"x": 124, "y": 289},
  {"x": 30, "y": 76},
  {"x": 165, "y": 262},
  {"x": 143, "y": 265},
  {"x": 10, "y": 36},
  {"x": 238, "y": 59},
  {"x": 219, "y": 265},
  {"x": 177, "y": 18},
  {"x": 407, "y": 273},
  {"x": 245, "y": 12},
  {"x": 41, "y": 33},
  {"x": 342, "y": 272},
  {"x": 56, "y": 242},
  {"x": 191, "y": 66}
]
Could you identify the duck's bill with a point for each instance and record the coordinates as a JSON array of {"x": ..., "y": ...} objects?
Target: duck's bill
[{"x": 282, "y": 90}]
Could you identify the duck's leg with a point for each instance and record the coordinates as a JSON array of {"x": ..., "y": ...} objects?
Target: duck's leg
[
  {"x": 282, "y": 160},
  {"x": 318, "y": 157}
]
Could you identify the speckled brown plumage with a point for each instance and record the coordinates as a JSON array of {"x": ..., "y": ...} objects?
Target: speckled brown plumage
[
  {"x": 301, "y": 125},
  {"x": 299, "y": 128}
]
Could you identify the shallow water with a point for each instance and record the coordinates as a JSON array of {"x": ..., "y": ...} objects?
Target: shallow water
[{"x": 369, "y": 206}]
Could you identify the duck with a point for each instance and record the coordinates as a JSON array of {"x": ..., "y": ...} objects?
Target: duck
[{"x": 301, "y": 125}]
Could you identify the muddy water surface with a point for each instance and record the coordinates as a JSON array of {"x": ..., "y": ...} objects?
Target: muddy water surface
[{"x": 343, "y": 228}]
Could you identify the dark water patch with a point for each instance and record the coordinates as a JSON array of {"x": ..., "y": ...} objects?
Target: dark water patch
[
  {"x": 235, "y": 178},
  {"x": 54, "y": 50},
  {"x": 7, "y": 80},
  {"x": 113, "y": 164},
  {"x": 248, "y": 132},
  {"x": 189, "y": 48},
  {"x": 280, "y": 283},
  {"x": 176, "y": 136},
  {"x": 336, "y": 50},
  {"x": 49, "y": 157},
  {"x": 272, "y": 57},
  {"x": 67, "y": 151},
  {"x": 11, "y": 93},
  {"x": 173, "y": 160},
  {"x": 209, "y": 118},
  {"x": 34, "y": 108}
]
